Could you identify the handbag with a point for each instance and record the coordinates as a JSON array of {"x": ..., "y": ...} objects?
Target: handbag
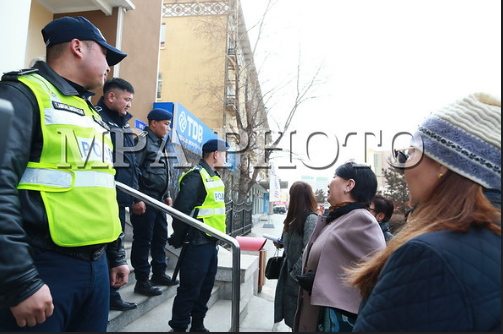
[{"x": 273, "y": 267}]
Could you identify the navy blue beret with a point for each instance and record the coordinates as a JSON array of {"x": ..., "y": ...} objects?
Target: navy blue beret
[
  {"x": 67, "y": 28},
  {"x": 214, "y": 145},
  {"x": 159, "y": 114}
]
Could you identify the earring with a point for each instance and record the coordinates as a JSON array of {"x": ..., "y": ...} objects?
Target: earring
[
  {"x": 440, "y": 176},
  {"x": 346, "y": 192}
]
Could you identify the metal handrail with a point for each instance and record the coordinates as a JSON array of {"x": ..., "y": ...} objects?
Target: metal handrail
[{"x": 236, "y": 251}]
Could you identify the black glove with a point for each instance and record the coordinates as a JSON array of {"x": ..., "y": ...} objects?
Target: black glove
[
  {"x": 306, "y": 281},
  {"x": 176, "y": 241}
]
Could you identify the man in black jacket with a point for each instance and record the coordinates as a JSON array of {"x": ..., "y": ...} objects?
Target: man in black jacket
[
  {"x": 58, "y": 220},
  {"x": 150, "y": 227},
  {"x": 114, "y": 107}
]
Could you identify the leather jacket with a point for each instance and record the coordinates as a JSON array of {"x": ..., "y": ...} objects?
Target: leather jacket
[
  {"x": 154, "y": 166},
  {"x": 128, "y": 175},
  {"x": 23, "y": 218}
]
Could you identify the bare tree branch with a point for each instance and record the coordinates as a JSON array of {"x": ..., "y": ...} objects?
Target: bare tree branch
[
  {"x": 301, "y": 97},
  {"x": 251, "y": 112}
]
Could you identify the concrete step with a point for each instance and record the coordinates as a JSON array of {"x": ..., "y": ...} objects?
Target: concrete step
[
  {"x": 153, "y": 313},
  {"x": 258, "y": 316},
  {"x": 156, "y": 320},
  {"x": 119, "y": 319},
  {"x": 171, "y": 256}
]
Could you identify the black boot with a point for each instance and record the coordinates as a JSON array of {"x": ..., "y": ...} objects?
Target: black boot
[
  {"x": 146, "y": 288},
  {"x": 198, "y": 326},
  {"x": 163, "y": 279},
  {"x": 119, "y": 305}
]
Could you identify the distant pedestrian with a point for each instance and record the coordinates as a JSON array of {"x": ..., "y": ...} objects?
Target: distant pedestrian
[
  {"x": 298, "y": 227},
  {"x": 442, "y": 272},
  {"x": 348, "y": 235},
  {"x": 321, "y": 210},
  {"x": 383, "y": 208}
]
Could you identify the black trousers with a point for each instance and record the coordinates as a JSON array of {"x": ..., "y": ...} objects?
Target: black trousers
[
  {"x": 150, "y": 236},
  {"x": 197, "y": 278},
  {"x": 79, "y": 290}
]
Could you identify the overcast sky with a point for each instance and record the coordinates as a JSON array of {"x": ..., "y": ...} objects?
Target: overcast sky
[{"x": 387, "y": 65}]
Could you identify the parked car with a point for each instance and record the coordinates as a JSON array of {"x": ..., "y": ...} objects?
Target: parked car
[{"x": 279, "y": 209}]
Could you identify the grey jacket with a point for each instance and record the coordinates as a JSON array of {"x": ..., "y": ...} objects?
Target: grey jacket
[{"x": 287, "y": 289}]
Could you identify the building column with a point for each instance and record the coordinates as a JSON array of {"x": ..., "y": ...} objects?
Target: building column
[{"x": 14, "y": 23}]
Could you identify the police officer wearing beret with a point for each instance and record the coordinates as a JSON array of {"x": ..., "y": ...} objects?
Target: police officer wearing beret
[
  {"x": 202, "y": 196},
  {"x": 150, "y": 228}
]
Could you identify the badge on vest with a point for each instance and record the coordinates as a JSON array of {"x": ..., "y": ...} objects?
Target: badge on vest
[
  {"x": 67, "y": 107},
  {"x": 95, "y": 151},
  {"x": 219, "y": 197}
]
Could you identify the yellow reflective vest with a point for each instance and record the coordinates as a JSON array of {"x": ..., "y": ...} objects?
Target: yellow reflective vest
[
  {"x": 212, "y": 212},
  {"x": 75, "y": 174}
]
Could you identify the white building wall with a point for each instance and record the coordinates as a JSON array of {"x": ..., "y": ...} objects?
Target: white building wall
[{"x": 14, "y": 22}]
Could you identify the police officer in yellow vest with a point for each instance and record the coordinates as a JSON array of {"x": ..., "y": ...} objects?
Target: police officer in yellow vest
[
  {"x": 58, "y": 206},
  {"x": 202, "y": 195}
]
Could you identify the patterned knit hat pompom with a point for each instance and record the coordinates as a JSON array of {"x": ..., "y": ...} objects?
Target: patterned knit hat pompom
[{"x": 466, "y": 137}]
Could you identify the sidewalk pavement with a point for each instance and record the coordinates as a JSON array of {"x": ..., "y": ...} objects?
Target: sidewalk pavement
[{"x": 260, "y": 316}]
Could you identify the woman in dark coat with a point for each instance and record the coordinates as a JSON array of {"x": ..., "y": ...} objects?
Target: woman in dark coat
[
  {"x": 442, "y": 272},
  {"x": 298, "y": 227}
]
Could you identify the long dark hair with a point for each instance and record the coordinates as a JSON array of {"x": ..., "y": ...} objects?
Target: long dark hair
[
  {"x": 302, "y": 202},
  {"x": 456, "y": 204}
]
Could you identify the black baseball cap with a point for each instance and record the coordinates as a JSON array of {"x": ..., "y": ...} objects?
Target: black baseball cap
[{"x": 67, "y": 28}]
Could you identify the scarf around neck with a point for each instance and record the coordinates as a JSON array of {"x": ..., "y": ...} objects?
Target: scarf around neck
[{"x": 342, "y": 209}]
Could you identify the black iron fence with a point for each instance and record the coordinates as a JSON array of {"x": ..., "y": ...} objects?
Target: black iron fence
[{"x": 239, "y": 218}]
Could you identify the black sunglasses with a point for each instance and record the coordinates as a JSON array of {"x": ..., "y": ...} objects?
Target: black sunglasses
[{"x": 400, "y": 157}]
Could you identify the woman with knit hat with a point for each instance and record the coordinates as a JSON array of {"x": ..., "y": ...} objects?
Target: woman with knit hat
[{"x": 442, "y": 272}]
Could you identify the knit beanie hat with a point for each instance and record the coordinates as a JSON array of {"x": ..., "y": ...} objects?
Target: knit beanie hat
[{"x": 466, "y": 138}]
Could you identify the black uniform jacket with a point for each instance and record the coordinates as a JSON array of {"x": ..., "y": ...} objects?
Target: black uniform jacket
[
  {"x": 23, "y": 219},
  {"x": 192, "y": 194},
  {"x": 153, "y": 163},
  {"x": 125, "y": 164}
]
